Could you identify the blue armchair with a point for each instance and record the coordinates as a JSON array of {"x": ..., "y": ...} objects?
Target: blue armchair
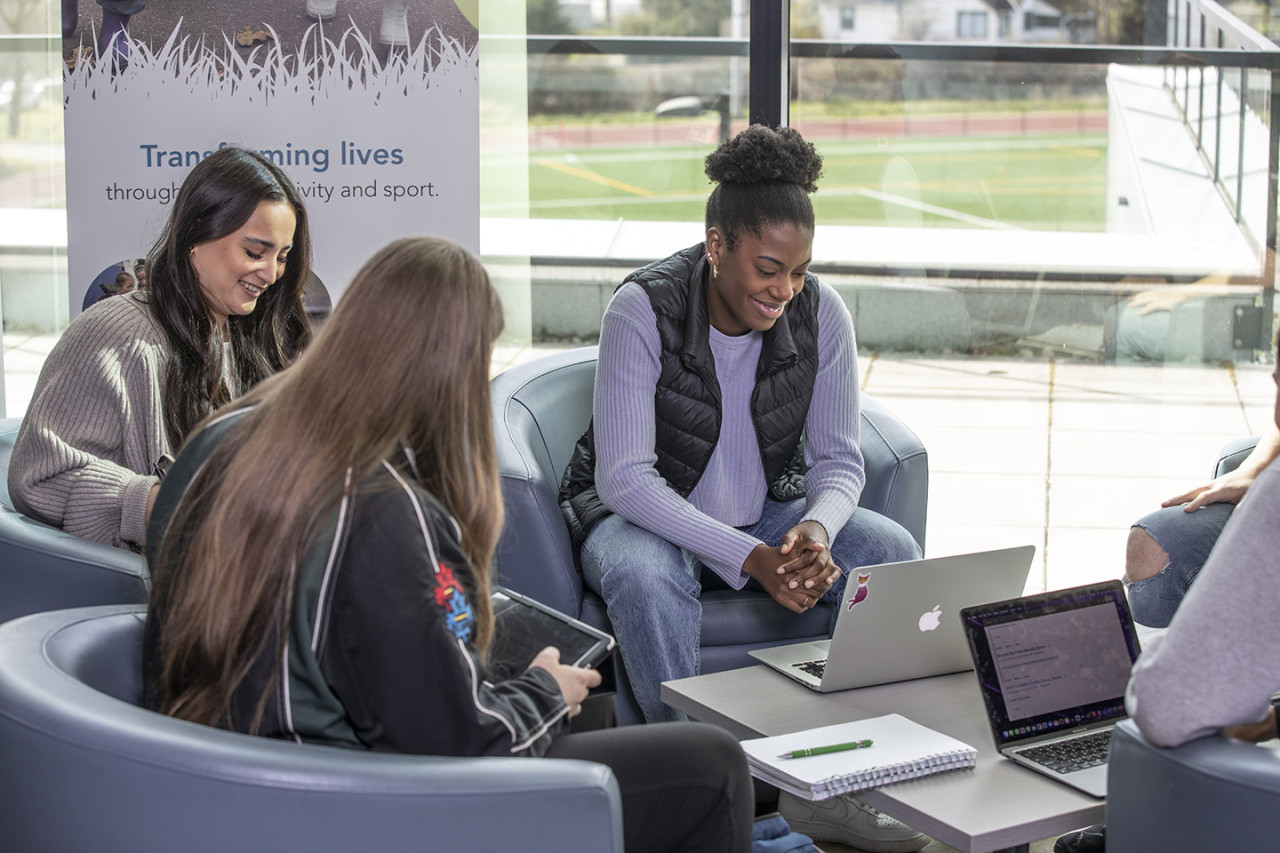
[
  {"x": 541, "y": 408},
  {"x": 44, "y": 568},
  {"x": 1233, "y": 453},
  {"x": 1210, "y": 794},
  {"x": 84, "y": 768}
]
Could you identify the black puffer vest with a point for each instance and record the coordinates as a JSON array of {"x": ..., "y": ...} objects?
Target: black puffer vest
[{"x": 687, "y": 398}]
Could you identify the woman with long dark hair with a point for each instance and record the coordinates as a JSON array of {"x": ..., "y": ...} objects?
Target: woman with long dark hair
[
  {"x": 131, "y": 376},
  {"x": 320, "y": 558}
]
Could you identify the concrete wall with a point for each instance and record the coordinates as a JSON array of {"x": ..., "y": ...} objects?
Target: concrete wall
[{"x": 888, "y": 314}]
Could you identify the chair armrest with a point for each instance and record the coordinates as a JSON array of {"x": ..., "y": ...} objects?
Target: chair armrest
[
  {"x": 44, "y": 568},
  {"x": 540, "y": 408},
  {"x": 8, "y": 433},
  {"x": 1233, "y": 453},
  {"x": 897, "y": 468},
  {"x": 85, "y": 770},
  {"x": 533, "y": 555},
  {"x": 1210, "y": 794}
]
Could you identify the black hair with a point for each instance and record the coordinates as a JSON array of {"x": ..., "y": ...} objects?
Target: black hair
[
  {"x": 217, "y": 198},
  {"x": 762, "y": 176}
]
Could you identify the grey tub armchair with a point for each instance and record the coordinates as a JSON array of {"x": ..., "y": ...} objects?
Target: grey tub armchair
[
  {"x": 541, "y": 408},
  {"x": 1210, "y": 794},
  {"x": 44, "y": 568},
  {"x": 84, "y": 768}
]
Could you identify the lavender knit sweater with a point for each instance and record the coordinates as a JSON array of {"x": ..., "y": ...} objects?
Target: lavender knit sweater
[
  {"x": 95, "y": 427},
  {"x": 732, "y": 490}
]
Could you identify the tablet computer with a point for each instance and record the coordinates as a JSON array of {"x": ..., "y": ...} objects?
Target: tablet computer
[{"x": 523, "y": 627}]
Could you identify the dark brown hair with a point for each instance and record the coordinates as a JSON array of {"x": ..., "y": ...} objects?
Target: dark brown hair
[
  {"x": 217, "y": 198},
  {"x": 402, "y": 361}
]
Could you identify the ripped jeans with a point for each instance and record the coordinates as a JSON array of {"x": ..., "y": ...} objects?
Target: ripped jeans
[{"x": 1187, "y": 537}]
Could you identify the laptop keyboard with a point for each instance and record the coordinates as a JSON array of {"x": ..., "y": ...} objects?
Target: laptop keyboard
[
  {"x": 1067, "y": 756},
  {"x": 813, "y": 667}
]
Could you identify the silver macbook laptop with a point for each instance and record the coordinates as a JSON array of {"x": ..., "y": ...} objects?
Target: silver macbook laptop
[
  {"x": 902, "y": 620},
  {"x": 1053, "y": 669}
]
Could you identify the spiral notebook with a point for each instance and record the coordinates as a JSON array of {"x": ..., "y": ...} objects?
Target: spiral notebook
[{"x": 900, "y": 749}]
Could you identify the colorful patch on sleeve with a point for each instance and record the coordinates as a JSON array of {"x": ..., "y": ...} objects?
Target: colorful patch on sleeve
[{"x": 449, "y": 595}]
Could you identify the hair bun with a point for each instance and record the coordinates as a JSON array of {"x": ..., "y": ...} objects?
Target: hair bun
[{"x": 761, "y": 154}]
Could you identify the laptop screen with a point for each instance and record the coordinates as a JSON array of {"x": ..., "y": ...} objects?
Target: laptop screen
[{"x": 1051, "y": 663}]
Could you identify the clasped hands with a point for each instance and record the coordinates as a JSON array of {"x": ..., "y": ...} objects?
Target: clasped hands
[{"x": 799, "y": 571}]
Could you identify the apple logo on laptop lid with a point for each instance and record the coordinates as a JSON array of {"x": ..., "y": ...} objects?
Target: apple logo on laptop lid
[{"x": 931, "y": 619}]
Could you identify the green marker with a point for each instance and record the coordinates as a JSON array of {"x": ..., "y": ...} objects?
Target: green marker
[{"x": 823, "y": 750}]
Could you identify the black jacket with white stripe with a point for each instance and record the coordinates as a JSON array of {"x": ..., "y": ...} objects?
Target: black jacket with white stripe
[{"x": 379, "y": 653}]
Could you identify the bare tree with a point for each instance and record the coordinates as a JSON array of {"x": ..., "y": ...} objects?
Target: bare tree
[
  {"x": 19, "y": 17},
  {"x": 677, "y": 18}
]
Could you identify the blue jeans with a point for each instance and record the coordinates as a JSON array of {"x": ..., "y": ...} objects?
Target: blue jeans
[
  {"x": 651, "y": 587},
  {"x": 1187, "y": 537}
]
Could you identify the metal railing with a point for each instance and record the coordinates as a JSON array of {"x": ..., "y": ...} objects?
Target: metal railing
[
  {"x": 1204, "y": 97},
  {"x": 23, "y": 43}
]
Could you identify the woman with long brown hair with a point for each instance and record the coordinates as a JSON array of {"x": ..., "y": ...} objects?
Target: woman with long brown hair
[
  {"x": 320, "y": 560},
  {"x": 133, "y": 374}
]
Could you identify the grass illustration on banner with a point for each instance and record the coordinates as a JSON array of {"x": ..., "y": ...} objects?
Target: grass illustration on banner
[
  {"x": 319, "y": 70},
  {"x": 379, "y": 143}
]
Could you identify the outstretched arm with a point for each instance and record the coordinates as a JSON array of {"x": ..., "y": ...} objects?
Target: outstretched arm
[{"x": 1232, "y": 486}]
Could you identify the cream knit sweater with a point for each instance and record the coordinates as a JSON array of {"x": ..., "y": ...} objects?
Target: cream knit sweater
[{"x": 83, "y": 458}]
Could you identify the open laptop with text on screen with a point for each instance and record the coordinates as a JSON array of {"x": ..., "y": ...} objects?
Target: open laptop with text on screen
[
  {"x": 1052, "y": 669},
  {"x": 899, "y": 621}
]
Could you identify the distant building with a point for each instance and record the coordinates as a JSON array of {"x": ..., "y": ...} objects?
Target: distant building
[
  {"x": 597, "y": 14},
  {"x": 1019, "y": 21}
]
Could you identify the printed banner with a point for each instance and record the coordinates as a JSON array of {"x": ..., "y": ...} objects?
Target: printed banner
[{"x": 370, "y": 106}]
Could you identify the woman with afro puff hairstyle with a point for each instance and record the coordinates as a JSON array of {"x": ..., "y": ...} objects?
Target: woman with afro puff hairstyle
[{"x": 723, "y": 448}]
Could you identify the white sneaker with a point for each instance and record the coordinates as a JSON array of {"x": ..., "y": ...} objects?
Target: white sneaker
[
  {"x": 395, "y": 24},
  {"x": 322, "y": 10},
  {"x": 850, "y": 822}
]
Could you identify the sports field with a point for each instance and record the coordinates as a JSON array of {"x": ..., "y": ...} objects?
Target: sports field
[{"x": 1054, "y": 182}]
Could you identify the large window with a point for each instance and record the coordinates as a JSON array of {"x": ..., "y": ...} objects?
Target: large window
[
  {"x": 998, "y": 229},
  {"x": 1060, "y": 264}
]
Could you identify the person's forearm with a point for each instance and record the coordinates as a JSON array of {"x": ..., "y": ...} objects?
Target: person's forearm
[
  {"x": 836, "y": 476},
  {"x": 651, "y": 505},
  {"x": 1264, "y": 452}
]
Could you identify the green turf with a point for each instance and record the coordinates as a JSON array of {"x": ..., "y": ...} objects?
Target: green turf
[{"x": 1043, "y": 182}]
